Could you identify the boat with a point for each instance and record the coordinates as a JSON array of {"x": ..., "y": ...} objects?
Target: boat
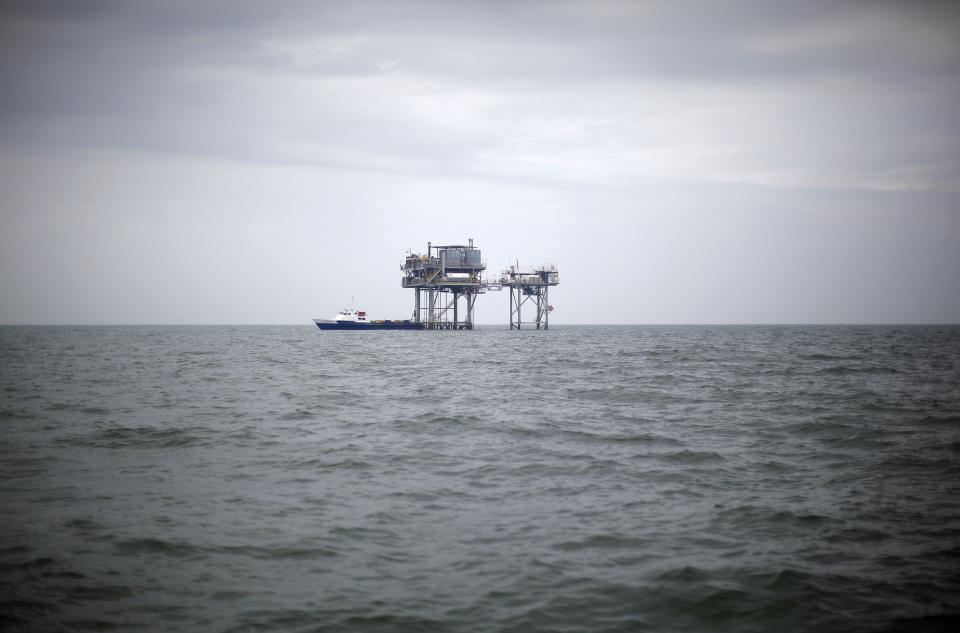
[{"x": 350, "y": 319}]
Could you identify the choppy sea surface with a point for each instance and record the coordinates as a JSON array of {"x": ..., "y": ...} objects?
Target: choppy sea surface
[{"x": 585, "y": 478}]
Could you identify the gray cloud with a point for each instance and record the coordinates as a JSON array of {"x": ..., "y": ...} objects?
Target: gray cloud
[{"x": 588, "y": 118}]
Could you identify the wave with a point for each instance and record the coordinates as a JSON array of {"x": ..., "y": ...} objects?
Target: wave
[
  {"x": 693, "y": 457},
  {"x": 156, "y": 546},
  {"x": 849, "y": 370},
  {"x": 614, "y": 438},
  {"x": 604, "y": 541},
  {"x": 142, "y": 437},
  {"x": 825, "y": 356},
  {"x": 16, "y": 413},
  {"x": 769, "y": 520}
]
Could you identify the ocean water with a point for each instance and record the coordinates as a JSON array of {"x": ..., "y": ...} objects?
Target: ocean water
[{"x": 585, "y": 478}]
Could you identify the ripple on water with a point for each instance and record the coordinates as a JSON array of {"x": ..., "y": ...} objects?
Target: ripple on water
[
  {"x": 142, "y": 437},
  {"x": 580, "y": 479}
]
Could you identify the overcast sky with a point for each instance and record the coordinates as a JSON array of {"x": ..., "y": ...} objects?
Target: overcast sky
[{"x": 681, "y": 162}]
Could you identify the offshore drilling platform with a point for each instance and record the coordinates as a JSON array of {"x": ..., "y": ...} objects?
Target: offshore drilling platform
[{"x": 446, "y": 281}]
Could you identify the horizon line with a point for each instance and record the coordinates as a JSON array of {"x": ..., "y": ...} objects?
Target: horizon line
[{"x": 660, "y": 323}]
